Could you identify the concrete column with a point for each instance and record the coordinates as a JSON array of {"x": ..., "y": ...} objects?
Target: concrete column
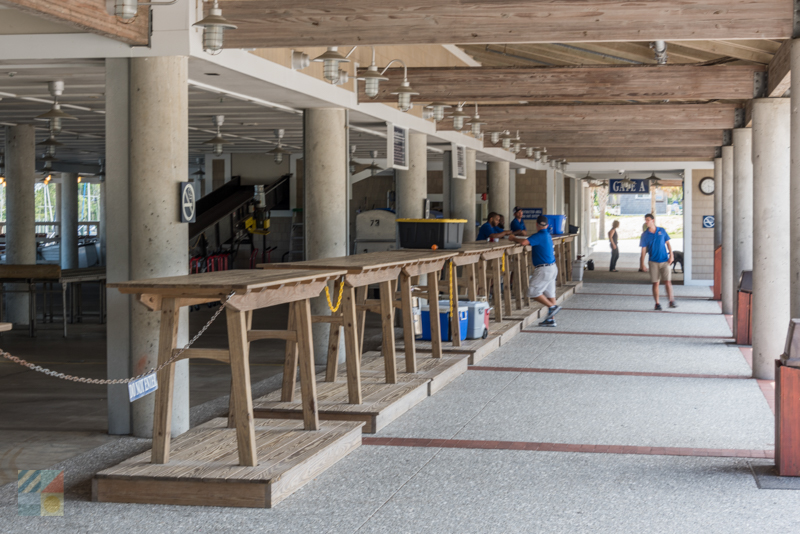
[
  {"x": 463, "y": 193},
  {"x": 498, "y": 177},
  {"x": 159, "y": 242},
  {"x": 325, "y": 210},
  {"x": 447, "y": 177},
  {"x": 558, "y": 176},
  {"x": 69, "y": 220},
  {"x": 20, "y": 213},
  {"x": 103, "y": 223},
  {"x": 727, "y": 230},
  {"x": 411, "y": 186},
  {"x": 742, "y": 203},
  {"x": 771, "y": 242},
  {"x": 794, "y": 224},
  {"x": 550, "y": 191},
  {"x": 718, "y": 215}
]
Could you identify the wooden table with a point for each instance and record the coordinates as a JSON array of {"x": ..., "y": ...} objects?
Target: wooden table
[
  {"x": 494, "y": 253},
  {"x": 563, "y": 251},
  {"x": 362, "y": 270},
  {"x": 250, "y": 290},
  {"x": 72, "y": 279}
]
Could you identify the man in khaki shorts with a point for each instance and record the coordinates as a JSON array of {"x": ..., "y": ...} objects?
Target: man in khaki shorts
[{"x": 655, "y": 242}]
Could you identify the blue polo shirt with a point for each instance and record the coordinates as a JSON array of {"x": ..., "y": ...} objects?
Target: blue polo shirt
[
  {"x": 487, "y": 230},
  {"x": 517, "y": 225},
  {"x": 542, "y": 244},
  {"x": 656, "y": 244}
]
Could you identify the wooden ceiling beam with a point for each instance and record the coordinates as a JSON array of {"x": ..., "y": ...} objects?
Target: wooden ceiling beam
[
  {"x": 90, "y": 16},
  {"x": 274, "y": 23},
  {"x": 728, "y": 49},
  {"x": 779, "y": 72},
  {"x": 568, "y": 54},
  {"x": 649, "y": 138},
  {"x": 560, "y": 84},
  {"x": 604, "y": 118}
]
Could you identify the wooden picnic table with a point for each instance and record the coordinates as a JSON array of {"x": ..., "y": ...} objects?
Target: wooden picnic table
[
  {"x": 362, "y": 270},
  {"x": 248, "y": 290},
  {"x": 30, "y": 275}
]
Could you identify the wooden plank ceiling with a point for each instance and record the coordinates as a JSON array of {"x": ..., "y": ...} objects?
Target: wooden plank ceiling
[{"x": 276, "y": 23}]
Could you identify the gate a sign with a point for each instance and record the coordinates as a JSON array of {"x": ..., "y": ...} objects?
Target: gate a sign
[{"x": 616, "y": 186}]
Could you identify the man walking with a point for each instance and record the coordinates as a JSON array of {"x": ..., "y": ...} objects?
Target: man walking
[
  {"x": 655, "y": 242},
  {"x": 542, "y": 287}
]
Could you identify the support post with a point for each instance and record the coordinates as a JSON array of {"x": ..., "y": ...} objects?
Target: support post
[
  {"x": 771, "y": 247},
  {"x": 411, "y": 186},
  {"x": 727, "y": 231},
  {"x": 69, "y": 220},
  {"x": 463, "y": 193},
  {"x": 742, "y": 203},
  {"x": 498, "y": 177}
]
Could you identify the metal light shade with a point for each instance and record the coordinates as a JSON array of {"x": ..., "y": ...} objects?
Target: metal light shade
[
  {"x": 199, "y": 172},
  {"x": 126, "y": 9},
  {"x": 475, "y": 126},
  {"x": 217, "y": 140},
  {"x": 522, "y": 170},
  {"x": 372, "y": 168},
  {"x": 279, "y": 152},
  {"x": 544, "y": 158},
  {"x": 214, "y": 26},
  {"x": 371, "y": 78},
  {"x": 404, "y": 93},
  {"x": 495, "y": 138},
  {"x": 55, "y": 113},
  {"x": 458, "y": 118},
  {"x": 343, "y": 78},
  {"x": 330, "y": 63},
  {"x": 50, "y": 141},
  {"x": 438, "y": 110}
]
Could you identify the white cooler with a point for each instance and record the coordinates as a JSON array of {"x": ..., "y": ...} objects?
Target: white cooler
[
  {"x": 477, "y": 319},
  {"x": 577, "y": 270}
]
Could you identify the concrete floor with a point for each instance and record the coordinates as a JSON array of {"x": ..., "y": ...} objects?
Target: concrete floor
[{"x": 536, "y": 389}]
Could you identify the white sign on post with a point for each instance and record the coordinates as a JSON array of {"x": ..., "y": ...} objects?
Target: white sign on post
[
  {"x": 142, "y": 386},
  {"x": 397, "y": 146},
  {"x": 459, "y": 161}
]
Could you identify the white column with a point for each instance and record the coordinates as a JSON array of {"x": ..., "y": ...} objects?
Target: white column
[
  {"x": 463, "y": 193},
  {"x": 558, "y": 176},
  {"x": 742, "y": 203},
  {"x": 794, "y": 224},
  {"x": 411, "y": 186},
  {"x": 771, "y": 242},
  {"x": 20, "y": 213},
  {"x": 325, "y": 205},
  {"x": 718, "y": 214},
  {"x": 727, "y": 230},
  {"x": 447, "y": 177},
  {"x": 550, "y": 202},
  {"x": 498, "y": 177},
  {"x": 69, "y": 220},
  {"x": 103, "y": 229},
  {"x": 159, "y": 242}
]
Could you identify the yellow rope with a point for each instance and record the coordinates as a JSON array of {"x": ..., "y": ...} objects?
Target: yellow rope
[
  {"x": 451, "y": 284},
  {"x": 339, "y": 301},
  {"x": 503, "y": 268}
]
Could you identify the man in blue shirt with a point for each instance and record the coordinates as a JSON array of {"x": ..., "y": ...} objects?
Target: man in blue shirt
[
  {"x": 655, "y": 241},
  {"x": 542, "y": 284},
  {"x": 489, "y": 229},
  {"x": 517, "y": 224}
]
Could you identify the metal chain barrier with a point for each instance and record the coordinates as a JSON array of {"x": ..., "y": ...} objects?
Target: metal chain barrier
[
  {"x": 339, "y": 301},
  {"x": 98, "y": 381}
]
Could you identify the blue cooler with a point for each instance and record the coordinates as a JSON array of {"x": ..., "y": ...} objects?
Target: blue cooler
[
  {"x": 557, "y": 224},
  {"x": 444, "y": 321}
]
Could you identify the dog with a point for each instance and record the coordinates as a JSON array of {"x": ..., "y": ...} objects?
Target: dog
[{"x": 677, "y": 257}]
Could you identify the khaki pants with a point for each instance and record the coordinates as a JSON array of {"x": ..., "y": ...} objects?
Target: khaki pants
[{"x": 660, "y": 272}]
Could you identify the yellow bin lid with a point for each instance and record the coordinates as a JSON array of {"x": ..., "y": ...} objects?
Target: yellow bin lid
[{"x": 432, "y": 220}]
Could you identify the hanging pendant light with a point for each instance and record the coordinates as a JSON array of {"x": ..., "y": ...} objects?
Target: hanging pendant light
[
  {"x": 214, "y": 26},
  {"x": 353, "y": 162},
  {"x": 371, "y": 77},
  {"x": 50, "y": 145},
  {"x": 494, "y": 137},
  {"x": 217, "y": 141},
  {"x": 458, "y": 117},
  {"x": 330, "y": 63},
  {"x": 404, "y": 92},
  {"x": 438, "y": 110},
  {"x": 279, "y": 151},
  {"x": 55, "y": 115},
  {"x": 505, "y": 139},
  {"x": 199, "y": 172},
  {"x": 475, "y": 123}
]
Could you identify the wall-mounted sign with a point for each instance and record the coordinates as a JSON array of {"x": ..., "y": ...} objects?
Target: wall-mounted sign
[
  {"x": 708, "y": 221},
  {"x": 531, "y": 213},
  {"x": 459, "y": 163},
  {"x": 188, "y": 204},
  {"x": 397, "y": 146},
  {"x": 616, "y": 186}
]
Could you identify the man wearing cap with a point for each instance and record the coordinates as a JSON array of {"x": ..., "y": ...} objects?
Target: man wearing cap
[
  {"x": 655, "y": 241},
  {"x": 517, "y": 224},
  {"x": 489, "y": 229},
  {"x": 542, "y": 287}
]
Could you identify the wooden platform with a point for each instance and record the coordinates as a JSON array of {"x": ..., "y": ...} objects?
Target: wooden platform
[
  {"x": 438, "y": 371},
  {"x": 204, "y": 467},
  {"x": 382, "y": 403}
]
